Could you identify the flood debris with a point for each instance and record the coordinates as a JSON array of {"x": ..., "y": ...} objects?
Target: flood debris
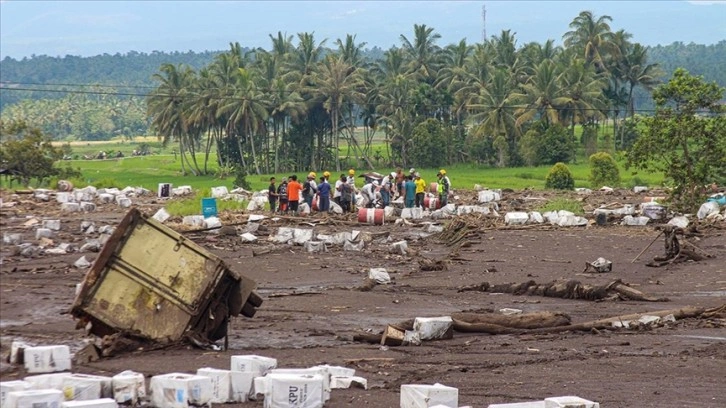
[
  {"x": 153, "y": 284},
  {"x": 567, "y": 289},
  {"x": 677, "y": 250},
  {"x": 600, "y": 265}
]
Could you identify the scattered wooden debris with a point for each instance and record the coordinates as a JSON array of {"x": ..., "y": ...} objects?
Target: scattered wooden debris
[
  {"x": 677, "y": 250},
  {"x": 426, "y": 264},
  {"x": 567, "y": 289}
]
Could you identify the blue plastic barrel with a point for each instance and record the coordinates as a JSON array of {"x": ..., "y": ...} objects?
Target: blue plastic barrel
[{"x": 209, "y": 207}]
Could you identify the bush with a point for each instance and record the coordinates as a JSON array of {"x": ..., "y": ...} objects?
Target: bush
[
  {"x": 240, "y": 180},
  {"x": 603, "y": 170},
  {"x": 547, "y": 144},
  {"x": 560, "y": 178}
]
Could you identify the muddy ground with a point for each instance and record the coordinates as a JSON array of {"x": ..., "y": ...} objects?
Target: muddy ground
[{"x": 312, "y": 309}]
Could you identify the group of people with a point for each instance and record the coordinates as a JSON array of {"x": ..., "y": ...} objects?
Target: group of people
[{"x": 286, "y": 197}]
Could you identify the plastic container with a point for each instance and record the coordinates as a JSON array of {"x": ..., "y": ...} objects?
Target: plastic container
[
  {"x": 432, "y": 203},
  {"x": 209, "y": 207},
  {"x": 373, "y": 216}
]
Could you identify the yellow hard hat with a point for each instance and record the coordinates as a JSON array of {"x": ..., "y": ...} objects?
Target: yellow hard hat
[
  {"x": 312, "y": 174},
  {"x": 326, "y": 174},
  {"x": 443, "y": 172},
  {"x": 351, "y": 172}
]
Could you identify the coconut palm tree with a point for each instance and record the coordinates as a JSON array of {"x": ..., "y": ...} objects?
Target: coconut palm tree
[
  {"x": 423, "y": 54},
  {"x": 637, "y": 72},
  {"x": 168, "y": 106},
  {"x": 538, "y": 95},
  {"x": 592, "y": 37}
]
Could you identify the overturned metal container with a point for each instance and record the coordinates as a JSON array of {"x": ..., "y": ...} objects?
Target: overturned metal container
[{"x": 151, "y": 282}]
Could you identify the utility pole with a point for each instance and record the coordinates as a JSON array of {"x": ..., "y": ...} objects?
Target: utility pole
[{"x": 483, "y": 23}]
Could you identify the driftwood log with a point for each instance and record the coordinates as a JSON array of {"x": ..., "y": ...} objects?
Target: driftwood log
[
  {"x": 547, "y": 322},
  {"x": 567, "y": 289}
]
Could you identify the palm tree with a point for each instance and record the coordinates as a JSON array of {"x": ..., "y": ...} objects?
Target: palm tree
[
  {"x": 581, "y": 92},
  {"x": 168, "y": 107},
  {"x": 422, "y": 53},
  {"x": 349, "y": 51},
  {"x": 336, "y": 82},
  {"x": 592, "y": 37},
  {"x": 493, "y": 115},
  {"x": 538, "y": 95},
  {"x": 637, "y": 72}
]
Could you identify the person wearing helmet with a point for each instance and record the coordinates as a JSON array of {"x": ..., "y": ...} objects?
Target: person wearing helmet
[
  {"x": 444, "y": 187},
  {"x": 351, "y": 182},
  {"x": 420, "y": 189},
  {"x": 327, "y": 176},
  {"x": 309, "y": 189}
]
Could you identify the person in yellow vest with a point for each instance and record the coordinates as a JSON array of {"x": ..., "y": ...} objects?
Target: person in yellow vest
[
  {"x": 420, "y": 190},
  {"x": 444, "y": 187}
]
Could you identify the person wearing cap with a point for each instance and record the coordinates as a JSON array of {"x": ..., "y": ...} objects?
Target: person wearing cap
[
  {"x": 272, "y": 195},
  {"x": 293, "y": 193},
  {"x": 351, "y": 181},
  {"x": 386, "y": 188},
  {"x": 309, "y": 190},
  {"x": 282, "y": 195},
  {"x": 443, "y": 188},
  {"x": 420, "y": 189},
  {"x": 324, "y": 195},
  {"x": 369, "y": 193}
]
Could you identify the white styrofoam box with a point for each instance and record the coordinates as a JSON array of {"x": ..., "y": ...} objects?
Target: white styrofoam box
[
  {"x": 635, "y": 221},
  {"x": 292, "y": 390},
  {"x": 87, "y": 206},
  {"x": 106, "y": 198},
  {"x": 10, "y": 386},
  {"x": 221, "y": 384},
  {"x": 259, "y": 365},
  {"x": 78, "y": 387},
  {"x": 45, "y": 381},
  {"x": 569, "y": 401},
  {"x": 161, "y": 215},
  {"x": 532, "y": 404},
  {"x": 414, "y": 213},
  {"x": 64, "y": 197},
  {"x": 193, "y": 220},
  {"x": 241, "y": 385},
  {"x": 486, "y": 196},
  {"x": 128, "y": 387},
  {"x": 96, "y": 403},
  {"x": 177, "y": 390},
  {"x": 47, "y": 359},
  {"x": 16, "y": 350},
  {"x": 516, "y": 218},
  {"x": 535, "y": 217},
  {"x": 43, "y": 233},
  {"x": 54, "y": 225},
  {"x": 425, "y": 396},
  {"x": 49, "y": 398},
  {"x": 123, "y": 202},
  {"x": 338, "y": 371},
  {"x": 70, "y": 207},
  {"x": 571, "y": 220},
  {"x": 317, "y": 370},
  {"x": 380, "y": 275},
  {"x": 212, "y": 222},
  {"x": 432, "y": 328},
  {"x": 342, "y": 382},
  {"x": 400, "y": 247},
  {"x": 219, "y": 192}
]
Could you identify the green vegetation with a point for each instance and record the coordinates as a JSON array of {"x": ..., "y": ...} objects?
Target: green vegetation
[
  {"x": 685, "y": 138},
  {"x": 560, "y": 178},
  {"x": 193, "y": 205},
  {"x": 561, "y": 203},
  {"x": 603, "y": 170}
]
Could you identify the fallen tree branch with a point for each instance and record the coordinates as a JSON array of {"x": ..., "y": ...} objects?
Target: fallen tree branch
[{"x": 569, "y": 289}]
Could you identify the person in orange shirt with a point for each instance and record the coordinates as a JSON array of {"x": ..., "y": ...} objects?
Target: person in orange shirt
[{"x": 293, "y": 193}]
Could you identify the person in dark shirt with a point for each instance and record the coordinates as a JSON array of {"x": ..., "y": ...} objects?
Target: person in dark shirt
[
  {"x": 282, "y": 195},
  {"x": 324, "y": 194},
  {"x": 272, "y": 195}
]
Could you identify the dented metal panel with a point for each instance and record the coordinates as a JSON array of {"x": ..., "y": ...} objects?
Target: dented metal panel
[{"x": 151, "y": 281}]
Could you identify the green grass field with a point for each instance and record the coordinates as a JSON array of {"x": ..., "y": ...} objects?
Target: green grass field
[{"x": 149, "y": 171}]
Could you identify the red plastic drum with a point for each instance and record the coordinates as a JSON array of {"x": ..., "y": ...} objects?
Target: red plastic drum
[{"x": 372, "y": 216}]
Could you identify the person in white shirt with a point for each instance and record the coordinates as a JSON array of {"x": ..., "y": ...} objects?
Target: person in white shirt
[{"x": 369, "y": 194}]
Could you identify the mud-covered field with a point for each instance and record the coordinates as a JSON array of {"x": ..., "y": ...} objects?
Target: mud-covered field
[{"x": 313, "y": 306}]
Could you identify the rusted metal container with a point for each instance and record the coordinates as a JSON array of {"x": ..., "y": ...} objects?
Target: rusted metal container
[{"x": 152, "y": 282}]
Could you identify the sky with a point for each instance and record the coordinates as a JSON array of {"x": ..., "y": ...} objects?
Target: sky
[{"x": 87, "y": 28}]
